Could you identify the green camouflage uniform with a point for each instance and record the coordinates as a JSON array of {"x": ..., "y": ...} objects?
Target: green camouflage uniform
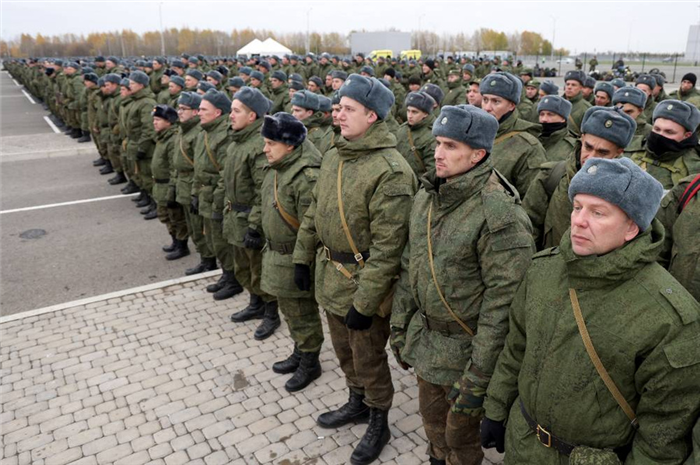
[
  {"x": 455, "y": 95},
  {"x": 692, "y": 96},
  {"x": 318, "y": 128},
  {"x": 123, "y": 109},
  {"x": 668, "y": 168},
  {"x": 420, "y": 154},
  {"x": 94, "y": 104},
  {"x": 103, "y": 109},
  {"x": 140, "y": 136},
  {"x": 578, "y": 108},
  {"x": 559, "y": 145},
  {"x": 164, "y": 187},
  {"x": 280, "y": 98}
]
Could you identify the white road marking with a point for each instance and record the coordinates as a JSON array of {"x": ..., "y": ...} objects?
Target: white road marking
[
  {"x": 16, "y": 83},
  {"x": 53, "y": 126},
  {"x": 26, "y": 94},
  {"x": 64, "y": 204}
]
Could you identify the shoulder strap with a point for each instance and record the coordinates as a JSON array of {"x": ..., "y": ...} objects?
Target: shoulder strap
[
  {"x": 341, "y": 210},
  {"x": 506, "y": 136},
  {"x": 602, "y": 372},
  {"x": 690, "y": 192},
  {"x": 573, "y": 123},
  {"x": 554, "y": 177},
  {"x": 211, "y": 156},
  {"x": 182, "y": 151},
  {"x": 288, "y": 219},
  {"x": 464, "y": 326},
  {"x": 414, "y": 151}
]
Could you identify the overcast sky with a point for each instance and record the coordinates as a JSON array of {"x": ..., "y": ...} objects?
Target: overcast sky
[{"x": 577, "y": 26}]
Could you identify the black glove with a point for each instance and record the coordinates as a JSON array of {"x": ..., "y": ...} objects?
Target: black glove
[
  {"x": 217, "y": 216},
  {"x": 493, "y": 434},
  {"x": 141, "y": 155},
  {"x": 171, "y": 197},
  {"x": 253, "y": 240},
  {"x": 302, "y": 277},
  {"x": 194, "y": 205},
  {"x": 357, "y": 321}
]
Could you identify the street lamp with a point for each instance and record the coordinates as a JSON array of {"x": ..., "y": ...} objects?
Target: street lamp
[
  {"x": 554, "y": 33},
  {"x": 162, "y": 39}
]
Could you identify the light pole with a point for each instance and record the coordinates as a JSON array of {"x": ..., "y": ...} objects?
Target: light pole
[
  {"x": 162, "y": 39},
  {"x": 308, "y": 29},
  {"x": 554, "y": 34}
]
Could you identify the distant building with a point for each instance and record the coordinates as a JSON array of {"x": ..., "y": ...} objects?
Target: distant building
[
  {"x": 692, "y": 48},
  {"x": 365, "y": 42}
]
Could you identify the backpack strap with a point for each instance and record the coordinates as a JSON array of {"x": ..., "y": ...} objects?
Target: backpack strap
[
  {"x": 690, "y": 192},
  {"x": 554, "y": 177}
]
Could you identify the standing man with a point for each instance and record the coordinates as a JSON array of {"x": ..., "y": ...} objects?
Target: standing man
[
  {"x": 687, "y": 92},
  {"x": 573, "y": 92},
  {"x": 456, "y": 93},
  {"x": 415, "y": 139},
  {"x": 647, "y": 83},
  {"x": 604, "y": 92},
  {"x": 450, "y": 312},
  {"x": 632, "y": 100},
  {"x": 359, "y": 215},
  {"x": 555, "y": 138},
  {"x": 306, "y": 107},
  {"x": 280, "y": 91}
]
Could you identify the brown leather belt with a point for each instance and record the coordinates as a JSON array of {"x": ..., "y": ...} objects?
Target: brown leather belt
[
  {"x": 283, "y": 248},
  {"x": 346, "y": 258},
  {"x": 447, "y": 328}
]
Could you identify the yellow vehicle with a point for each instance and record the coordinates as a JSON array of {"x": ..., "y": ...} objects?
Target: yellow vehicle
[
  {"x": 411, "y": 54},
  {"x": 374, "y": 54}
]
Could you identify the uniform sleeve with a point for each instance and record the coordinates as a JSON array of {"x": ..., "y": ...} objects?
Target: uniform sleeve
[
  {"x": 305, "y": 248},
  {"x": 667, "y": 215},
  {"x": 428, "y": 153},
  {"x": 404, "y": 305},
  {"x": 304, "y": 197},
  {"x": 148, "y": 135},
  {"x": 257, "y": 170},
  {"x": 528, "y": 167},
  {"x": 535, "y": 204},
  {"x": 219, "y": 192}
]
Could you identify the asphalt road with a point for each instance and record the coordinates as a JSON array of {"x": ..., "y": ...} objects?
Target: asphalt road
[{"x": 54, "y": 255}]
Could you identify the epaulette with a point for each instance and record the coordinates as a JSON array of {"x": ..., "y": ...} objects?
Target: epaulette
[
  {"x": 546, "y": 253},
  {"x": 390, "y": 156},
  {"x": 532, "y": 140}
]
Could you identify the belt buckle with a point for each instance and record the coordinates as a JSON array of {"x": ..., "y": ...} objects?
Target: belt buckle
[
  {"x": 358, "y": 257},
  {"x": 327, "y": 251},
  {"x": 228, "y": 205},
  {"x": 541, "y": 430}
]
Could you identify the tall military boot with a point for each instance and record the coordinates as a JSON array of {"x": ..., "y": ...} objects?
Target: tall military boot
[
  {"x": 152, "y": 212},
  {"x": 289, "y": 364},
  {"x": 172, "y": 246},
  {"x": 271, "y": 321},
  {"x": 107, "y": 169},
  {"x": 354, "y": 411},
  {"x": 254, "y": 311},
  {"x": 85, "y": 137},
  {"x": 130, "y": 188},
  {"x": 309, "y": 370},
  {"x": 144, "y": 202},
  {"x": 376, "y": 437},
  {"x": 99, "y": 162},
  {"x": 118, "y": 179},
  {"x": 434, "y": 461},
  {"x": 205, "y": 264},
  {"x": 230, "y": 288},
  {"x": 76, "y": 133},
  {"x": 181, "y": 250}
]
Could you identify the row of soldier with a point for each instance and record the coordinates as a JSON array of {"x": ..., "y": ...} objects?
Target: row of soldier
[{"x": 340, "y": 222}]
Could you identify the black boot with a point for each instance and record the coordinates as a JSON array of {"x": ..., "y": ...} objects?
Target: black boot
[
  {"x": 69, "y": 131},
  {"x": 130, "y": 188},
  {"x": 98, "y": 162},
  {"x": 205, "y": 264},
  {"x": 140, "y": 197},
  {"x": 76, "y": 133},
  {"x": 230, "y": 288},
  {"x": 181, "y": 250},
  {"x": 434, "y": 461},
  {"x": 172, "y": 246},
  {"x": 288, "y": 365},
  {"x": 107, "y": 169},
  {"x": 309, "y": 370},
  {"x": 152, "y": 212},
  {"x": 217, "y": 286},
  {"x": 271, "y": 321},
  {"x": 354, "y": 411},
  {"x": 85, "y": 137},
  {"x": 144, "y": 202},
  {"x": 254, "y": 311},
  {"x": 374, "y": 440},
  {"x": 118, "y": 179}
]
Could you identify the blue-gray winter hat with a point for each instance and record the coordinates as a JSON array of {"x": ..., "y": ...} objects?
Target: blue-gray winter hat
[
  {"x": 647, "y": 79},
  {"x": 194, "y": 60},
  {"x": 385, "y": 82},
  {"x": 316, "y": 80},
  {"x": 257, "y": 75},
  {"x": 636, "y": 97},
  {"x": 619, "y": 83},
  {"x": 125, "y": 83},
  {"x": 367, "y": 69},
  {"x": 469, "y": 68},
  {"x": 190, "y": 99},
  {"x": 420, "y": 100},
  {"x": 253, "y": 99},
  {"x": 113, "y": 59},
  {"x": 683, "y": 113},
  {"x": 621, "y": 182},
  {"x": 72, "y": 64},
  {"x": 296, "y": 85},
  {"x": 368, "y": 91},
  {"x": 296, "y": 77},
  {"x": 99, "y": 59},
  {"x": 219, "y": 99},
  {"x": 324, "y": 103},
  {"x": 589, "y": 82},
  {"x": 468, "y": 124},
  {"x": 195, "y": 73},
  {"x": 245, "y": 70},
  {"x": 549, "y": 88},
  {"x": 141, "y": 63},
  {"x": 178, "y": 81},
  {"x": 280, "y": 75},
  {"x": 159, "y": 60},
  {"x": 60, "y": 62},
  {"x": 337, "y": 74},
  {"x": 335, "y": 98},
  {"x": 306, "y": 99},
  {"x": 236, "y": 82},
  {"x": 265, "y": 65},
  {"x": 576, "y": 75},
  {"x": 86, "y": 69},
  {"x": 139, "y": 77},
  {"x": 165, "y": 112},
  {"x": 177, "y": 64},
  {"x": 502, "y": 84},
  {"x": 660, "y": 80},
  {"x": 205, "y": 86},
  {"x": 101, "y": 81},
  {"x": 92, "y": 77},
  {"x": 609, "y": 123},
  {"x": 284, "y": 128},
  {"x": 555, "y": 104},
  {"x": 434, "y": 91},
  {"x": 113, "y": 78},
  {"x": 605, "y": 87},
  {"x": 215, "y": 75}
]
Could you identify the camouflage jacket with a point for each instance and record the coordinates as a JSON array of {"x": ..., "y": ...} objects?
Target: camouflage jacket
[
  {"x": 559, "y": 145},
  {"x": 668, "y": 168},
  {"x": 420, "y": 154},
  {"x": 209, "y": 159},
  {"x": 139, "y": 130},
  {"x": 280, "y": 98},
  {"x": 456, "y": 94},
  {"x": 578, "y": 108},
  {"x": 162, "y": 164},
  {"x": 184, "y": 158}
]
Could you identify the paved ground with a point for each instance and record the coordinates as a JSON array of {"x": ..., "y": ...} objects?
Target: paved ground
[{"x": 161, "y": 377}]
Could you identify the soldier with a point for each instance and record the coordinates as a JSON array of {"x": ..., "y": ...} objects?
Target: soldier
[
  {"x": 122, "y": 107},
  {"x": 646, "y": 83},
  {"x": 429, "y": 75},
  {"x": 178, "y": 66},
  {"x": 256, "y": 82},
  {"x": 339, "y": 78},
  {"x": 600, "y": 363},
  {"x": 280, "y": 91},
  {"x": 359, "y": 215},
  {"x": 517, "y": 153},
  {"x": 240, "y": 187},
  {"x": 107, "y": 121},
  {"x": 158, "y": 66},
  {"x": 632, "y": 100},
  {"x": 203, "y": 87},
  {"x": 474, "y": 94},
  {"x": 687, "y": 91},
  {"x": 415, "y": 139},
  {"x": 670, "y": 153},
  {"x": 286, "y": 194},
  {"x": 618, "y": 83},
  {"x": 548, "y": 88},
  {"x": 467, "y": 74},
  {"x": 164, "y": 95},
  {"x": 72, "y": 90},
  {"x": 555, "y": 138},
  {"x": 449, "y": 319},
  {"x": 192, "y": 79},
  {"x": 573, "y": 92},
  {"x": 603, "y": 94},
  {"x": 606, "y": 133},
  {"x": 234, "y": 85},
  {"x": 215, "y": 78},
  {"x": 315, "y": 85},
  {"x": 306, "y": 107},
  {"x": 456, "y": 93},
  {"x": 588, "y": 90},
  {"x": 659, "y": 93},
  {"x": 207, "y": 195}
]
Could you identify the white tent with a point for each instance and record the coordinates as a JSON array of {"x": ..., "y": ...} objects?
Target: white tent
[{"x": 268, "y": 47}]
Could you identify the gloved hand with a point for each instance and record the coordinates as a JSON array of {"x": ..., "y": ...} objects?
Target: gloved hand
[
  {"x": 194, "y": 205},
  {"x": 253, "y": 240},
  {"x": 302, "y": 277},
  {"x": 397, "y": 343},
  {"x": 217, "y": 216},
  {"x": 141, "y": 155},
  {"x": 493, "y": 434},
  {"x": 466, "y": 397},
  {"x": 357, "y": 321}
]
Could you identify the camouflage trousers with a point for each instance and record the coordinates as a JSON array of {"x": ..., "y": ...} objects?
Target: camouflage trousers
[
  {"x": 363, "y": 359},
  {"x": 304, "y": 322},
  {"x": 174, "y": 220},
  {"x": 214, "y": 235},
  {"x": 247, "y": 264},
  {"x": 195, "y": 229},
  {"x": 453, "y": 437}
]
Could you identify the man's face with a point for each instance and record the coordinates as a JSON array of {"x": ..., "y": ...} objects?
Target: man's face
[
  {"x": 598, "y": 226},
  {"x": 686, "y": 86},
  {"x": 173, "y": 88},
  {"x": 241, "y": 116},
  {"x": 466, "y": 76},
  {"x": 109, "y": 88},
  {"x": 646, "y": 89},
  {"x": 496, "y": 106},
  {"x": 551, "y": 117},
  {"x": 329, "y": 80},
  {"x": 275, "y": 151},
  {"x": 453, "y": 78},
  {"x": 426, "y": 69},
  {"x": 602, "y": 99},
  {"x": 587, "y": 91},
  {"x": 165, "y": 79},
  {"x": 324, "y": 61},
  {"x": 597, "y": 147},
  {"x": 244, "y": 76},
  {"x": 89, "y": 84},
  {"x": 156, "y": 66},
  {"x": 656, "y": 91},
  {"x": 572, "y": 88},
  {"x": 208, "y": 112},
  {"x": 453, "y": 158},
  {"x": 135, "y": 86},
  {"x": 110, "y": 64},
  {"x": 301, "y": 113},
  {"x": 531, "y": 92},
  {"x": 415, "y": 116},
  {"x": 179, "y": 71},
  {"x": 160, "y": 124},
  {"x": 355, "y": 119},
  {"x": 190, "y": 82},
  {"x": 255, "y": 82},
  {"x": 212, "y": 81},
  {"x": 632, "y": 110},
  {"x": 276, "y": 83},
  {"x": 312, "y": 87},
  {"x": 336, "y": 83},
  {"x": 334, "y": 114},
  {"x": 185, "y": 113},
  {"x": 474, "y": 96},
  {"x": 670, "y": 129},
  {"x": 414, "y": 87},
  {"x": 124, "y": 91},
  {"x": 542, "y": 93},
  {"x": 69, "y": 71},
  {"x": 525, "y": 78}
]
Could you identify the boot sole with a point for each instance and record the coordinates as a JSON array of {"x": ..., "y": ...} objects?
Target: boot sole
[
  {"x": 305, "y": 385},
  {"x": 284, "y": 371},
  {"x": 227, "y": 295},
  {"x": 368, "y": 460},
  {"x": 253, "y": 316},
  {"x": 178, "y": 257}
]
